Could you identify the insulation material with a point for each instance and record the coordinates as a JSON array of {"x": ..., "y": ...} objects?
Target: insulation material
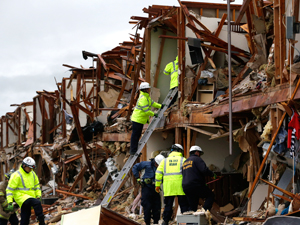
[{"x": 267, "y": 132}]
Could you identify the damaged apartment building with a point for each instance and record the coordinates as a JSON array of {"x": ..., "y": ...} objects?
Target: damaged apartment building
[{"x": 79, "y": 134}]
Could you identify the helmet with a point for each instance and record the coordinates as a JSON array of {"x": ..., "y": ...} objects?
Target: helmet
[
  {"x": 177, "y": 148},
  {"x": 8, "y": 174},
  {"x": 159, "y": 158},
  {"x": 28, "y": 161},
  {"x": 144, "y": 85},
  {"x": 196, "y": 148}
]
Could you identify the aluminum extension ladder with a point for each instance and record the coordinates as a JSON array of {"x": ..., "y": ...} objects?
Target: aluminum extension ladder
[{"x": 131, "y": 160}]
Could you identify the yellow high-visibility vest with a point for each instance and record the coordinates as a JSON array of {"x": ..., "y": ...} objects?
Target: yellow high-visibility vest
[
  {"x": 22, "y": 186},
  {"x": 169, "y": 172}
]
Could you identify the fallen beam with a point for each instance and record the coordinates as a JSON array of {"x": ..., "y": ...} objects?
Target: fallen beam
[{"x": 76, "y": 195}]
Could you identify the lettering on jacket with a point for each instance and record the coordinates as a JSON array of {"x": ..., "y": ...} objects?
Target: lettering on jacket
[
  {"x": 187, "y": 164},
  {"x": 173, "y": 162}
]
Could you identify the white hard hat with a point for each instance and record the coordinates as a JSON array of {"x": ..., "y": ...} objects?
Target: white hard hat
[
  {"x": 159, "y": 158},
  {"x": 144, "y": 85},
  {"x": 177, "y": 147},
  {"x": 28, "y": 161},
  {"x": 196, "y": 148}
]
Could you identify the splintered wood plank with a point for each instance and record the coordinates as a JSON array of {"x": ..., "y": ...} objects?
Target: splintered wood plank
[
  {"x": 181, "y": 53},
  {"x": 122, "y": 137},
  {"x": 148, "y": 54},
  {"x": 79, "y": 177},
  {"x": 72, "y": 194},
  {"x": 188, "y": 141},
  {"x": 200, "y": 131},
  {"x": 121, "y": 92},
  {"x": 161, "y": 48},
  {"x": 276, "y": 38},
  {"x": 242, "y": 11},
  {"x": 80, "y": 135},
  {"x": 282, "y": 38},
  {"x": 136, "y": 74}
]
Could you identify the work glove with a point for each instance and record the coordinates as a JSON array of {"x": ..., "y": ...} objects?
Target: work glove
[
  {"x": 157, "y": 189},
  {"x": 148, "y": 180},
  {"x": 139, "y": 181},
  {"x": 10, "y": 207},
  {"x": 162, "y": 105},
  {"x": 155, "y": 115},
  {"x": 215, "y": 176}
]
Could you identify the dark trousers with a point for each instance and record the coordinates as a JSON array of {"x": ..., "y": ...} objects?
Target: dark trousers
[
  {"x": 151, "y": 204},
  {"x": 169, "y": 200},
  {"x": 174, "y": 99},
  {"x": 26, "y": 211},
  {"x": 194, "y": 193},
  {"x": 13, "y": 219},
  {"x": 137, "y": 129}
]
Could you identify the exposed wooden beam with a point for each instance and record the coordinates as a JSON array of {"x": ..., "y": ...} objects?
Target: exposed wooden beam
[{"x": 200, "y": 131}]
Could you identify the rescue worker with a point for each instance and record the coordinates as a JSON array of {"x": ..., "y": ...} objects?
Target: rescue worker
[
  {"x": 169, "y": 172},
  {"x": 150, "y": 198},
  {"x": 193, "y": 182},
  {"x": 7, "y": 213},
  {"x": 172, "y": 70},
  {"x": 24, "y": 188},
  {"x": 140, "y": 115}
]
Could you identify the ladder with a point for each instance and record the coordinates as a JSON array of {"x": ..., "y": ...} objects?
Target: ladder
[{"x": 131, "y": 160}]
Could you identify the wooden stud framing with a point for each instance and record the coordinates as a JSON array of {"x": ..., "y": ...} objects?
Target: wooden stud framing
[
  {"x": 161, "y": 48},
  {"x": 148, "y": 55},
  {"x": 80, "y": 135}
]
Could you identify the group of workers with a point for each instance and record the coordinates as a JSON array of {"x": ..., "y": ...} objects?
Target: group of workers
[
  {"x": 23, "y": 187},
  {"x": 182, "y": 178},
  {"x": 142, "y": 110}
]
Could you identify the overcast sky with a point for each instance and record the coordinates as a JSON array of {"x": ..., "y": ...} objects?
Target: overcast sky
[{"x": 38, "y": 36}]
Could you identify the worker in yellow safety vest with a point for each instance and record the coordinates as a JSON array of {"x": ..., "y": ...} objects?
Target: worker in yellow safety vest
[
  {"x": 140, "y": 115},
  {"x": 24, "y": 188},
  {"x": 7, "y": 213},
  {"x": 169, "y": 172},
  {"x": 172, "y": 70}
]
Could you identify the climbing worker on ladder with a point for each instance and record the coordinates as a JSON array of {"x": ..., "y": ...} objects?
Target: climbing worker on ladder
[
  {"x": 193, "y": 182},
  {"x": 7, "y": 213},
  {"x": 169, "y": 172},
  {"x": 140, "y": 115},
  {"x": 172, "y": 70},
  {"x": 150, "y": 198}
]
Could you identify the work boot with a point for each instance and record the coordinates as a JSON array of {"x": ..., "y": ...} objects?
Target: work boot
[
  {"x": 41, "y": 220},
  {"x": 165, "y": 223}
]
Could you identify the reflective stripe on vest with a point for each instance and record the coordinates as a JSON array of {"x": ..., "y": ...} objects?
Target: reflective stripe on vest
[
  {"x": 157, "y": 171},
  {"x": 174, "y": 68},
  {"x": 142, "y": 107},
  {"x": 166, "y": 72},
  {"x": 171, "y": 174}
]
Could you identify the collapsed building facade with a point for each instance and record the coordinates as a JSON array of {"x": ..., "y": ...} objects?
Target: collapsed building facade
[{"x": 72, "y": 131}]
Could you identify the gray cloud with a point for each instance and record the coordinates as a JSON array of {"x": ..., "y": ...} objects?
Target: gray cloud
[{"x": 37, "y": 37}]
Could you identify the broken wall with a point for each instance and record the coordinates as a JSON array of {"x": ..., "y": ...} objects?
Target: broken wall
[
  {"x": 216, "y": 151},
  {"x": 12, "y": 134},
  {"x": 158, "y": 142},
  {"x": 169, "y": 54},
  {"x": 289, "y": 12},
  {"x": 38, "y": 118},
  {"x": 212, "y": 24}
]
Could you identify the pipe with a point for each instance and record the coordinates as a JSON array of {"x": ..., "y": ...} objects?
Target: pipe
[{"x": 229, "y": 74}]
